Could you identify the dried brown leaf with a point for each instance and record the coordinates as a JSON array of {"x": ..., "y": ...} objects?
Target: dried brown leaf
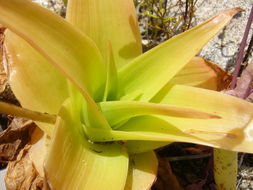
[
  {"x": 165, "y": 178},
  {"x": 201, "y": 73},
  {"x": 22, "y": 175},
  {"x": 223, "y": 78},
  {"x": 14, "y": 138},
  {"x": 3, "y": 72}
]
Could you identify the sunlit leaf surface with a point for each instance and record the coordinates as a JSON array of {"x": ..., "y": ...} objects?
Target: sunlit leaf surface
[
  {"x": 73, "y": 163},
  {"x": 142, "y": 171},
  {"x": 152, "y": 70},
  {"x": 111, "y": 20}
]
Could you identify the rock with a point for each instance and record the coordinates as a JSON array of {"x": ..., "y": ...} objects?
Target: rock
[
  {"x": 224, "y": 47},
  {"x": 2, "y": 183},
  {"x": 56, "y": 6}
]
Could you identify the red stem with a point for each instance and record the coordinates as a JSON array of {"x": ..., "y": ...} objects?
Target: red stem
[{"x": 241, "y": 50}]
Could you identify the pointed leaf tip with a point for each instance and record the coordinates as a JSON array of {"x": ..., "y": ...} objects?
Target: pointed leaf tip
[
  {"x": 151, "y": 71},
  {"x": 233, "y": 11}
]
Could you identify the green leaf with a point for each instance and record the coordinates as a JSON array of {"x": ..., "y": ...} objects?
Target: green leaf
[
  {"x": 38, "y": 149},
  {"x": 73, "y": 163},
  {"x": 233, "y": 131},
  {"x": 137, "y": 147},
  {"x": 152, "y": 70},
  {"x": 142, "y": 171},
  {"x": 111, "y": 86},
  {"x": 35, "y": 82},
  {"x": 200, "y": 73},
  {"x": 110, "y": 20},
  {"x": 225, "y": 169},
  {"x": 119, "y": 111},
  {"x": 134, "y": 96},
  {"x": 70, "y": 50},
  {"x": 142, "y": 128}
]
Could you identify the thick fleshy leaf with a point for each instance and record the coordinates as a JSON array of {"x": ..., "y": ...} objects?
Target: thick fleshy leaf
[
  {"x": 151, "y": 71},
  {"x": 118, "y": 111},
  {"x": 73, "y": 163},
  {"x": 225, "y": 169},
  {"x": 202, "y": 73},
  {"x": 35, "y": 82},
  {"x": 143, "y": 128},
  {"x": 110, "y": 20},
  {"x": 142, "y": 171},
  {"x": 37, "y": 152},
  {"x": 70, "y": 50},
  {"x": 234, "y": 129},
  {"x": 111, "y": 85},
  {"x": 137, "y": 147}
]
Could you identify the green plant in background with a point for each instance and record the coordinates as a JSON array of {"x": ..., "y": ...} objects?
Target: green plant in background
[
  {"x": 108, "y": 104},
  {"x": 163, "y": 19}
]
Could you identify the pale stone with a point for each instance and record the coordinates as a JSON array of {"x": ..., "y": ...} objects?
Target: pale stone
[{"x": 223, "y": 49}]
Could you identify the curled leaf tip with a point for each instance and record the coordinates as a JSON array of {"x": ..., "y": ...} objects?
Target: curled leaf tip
[{"x": 233, "y": 11}]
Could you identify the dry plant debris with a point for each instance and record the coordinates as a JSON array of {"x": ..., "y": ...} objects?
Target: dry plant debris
[
  {"x": 14, "y": 138},
  {"x": 22, "y": 175},
  {"x": 166, "y": 177},
  {"x": 3, "y": 72},
  {"x": 161, "y": 20}
]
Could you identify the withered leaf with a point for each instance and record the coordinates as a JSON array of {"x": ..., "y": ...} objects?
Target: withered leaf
[
  {"x": 223, "y": 78},
  {"x": 165, "y": 178},
  {"x": 22, "y": 175},
  {"x": 14, "y": 138},
  {"x": 3, "y": 70}
]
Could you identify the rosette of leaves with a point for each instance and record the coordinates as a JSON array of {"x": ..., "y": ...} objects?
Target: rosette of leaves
[{"x": 109, "y": 105}]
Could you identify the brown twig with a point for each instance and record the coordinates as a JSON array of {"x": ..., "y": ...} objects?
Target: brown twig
[{"x": 188, "y": 157}]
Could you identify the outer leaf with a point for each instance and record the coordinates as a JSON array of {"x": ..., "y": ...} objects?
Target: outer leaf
[
  {"x": 233, "y": 130},
  {"x": 225, "y": 169},
  {"x": 70, "y": 50},
  {"x": 201, "y": 73},
  {"x": 143, "y": 128},
  {"x": 110, "y": 20},
  {"x": 111, "y": 86},
  {"x": 38, "y": 150},
  {"x": 142, "y": 171},
  {"x": 119, "y": 111},
  {"x": 32, "y": 76},
  {"x": 152, "y": 70},
  {"x": 75, "y": 164},
  {"x": 34, "y": 81},
  {"x": 136, "y": 147}
]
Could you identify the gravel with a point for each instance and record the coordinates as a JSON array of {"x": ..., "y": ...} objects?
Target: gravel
[{"x": 224, "y": 47}]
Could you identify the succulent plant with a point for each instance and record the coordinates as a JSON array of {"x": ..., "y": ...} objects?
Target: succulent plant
[{"x": 102, "y": 104}]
